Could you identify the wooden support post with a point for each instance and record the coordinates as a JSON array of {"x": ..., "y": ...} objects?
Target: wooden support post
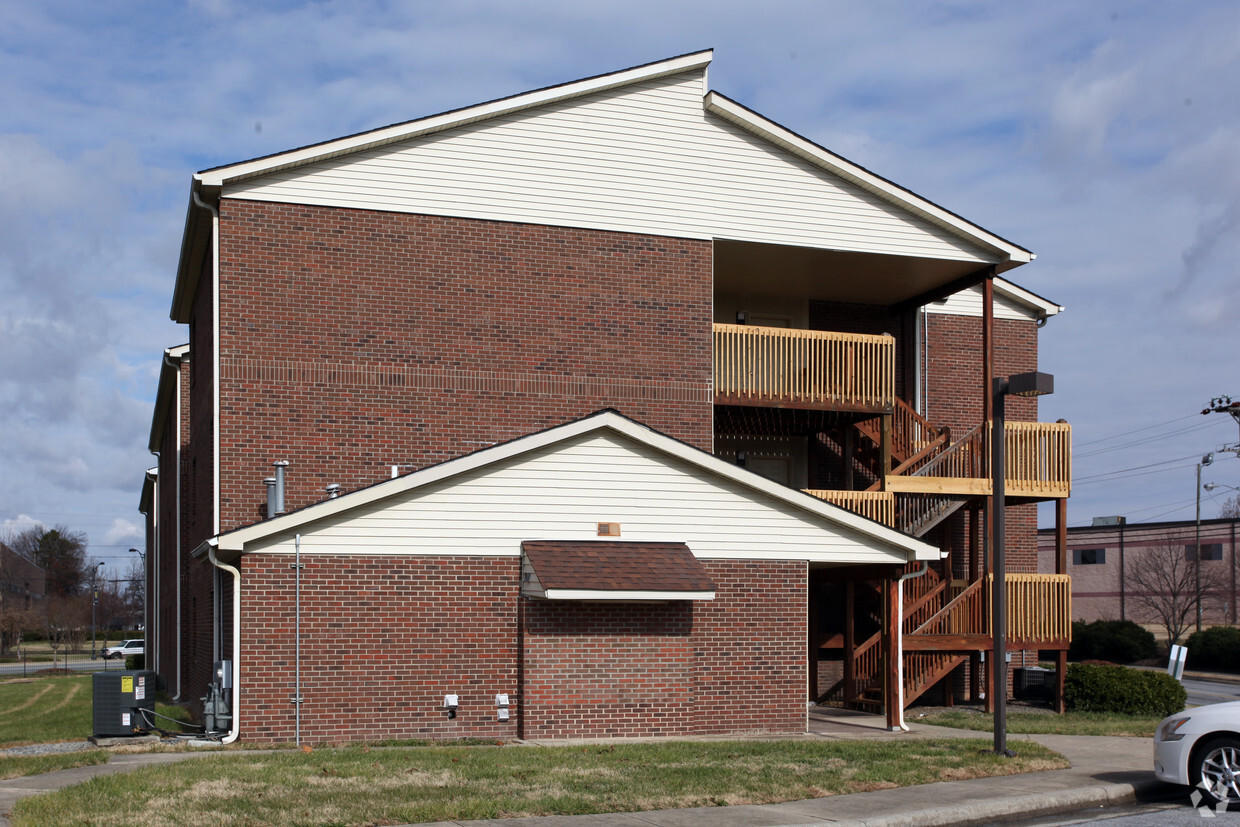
[
  {"x": 811, "y": 599},
  {"x": 1061, "y": 567},
  {"x": 884, "y": 457},
  {"x": 850, "y": 642},
  {"x": 850, "y": 449},
  {"x": 891, "y": 634}
]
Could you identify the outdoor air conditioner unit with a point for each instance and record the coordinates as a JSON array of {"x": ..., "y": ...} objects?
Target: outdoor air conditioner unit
[{"x": 121, "y": 699}]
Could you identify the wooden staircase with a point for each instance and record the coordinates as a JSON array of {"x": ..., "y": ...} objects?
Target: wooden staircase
[{"x": 931, "y": 612}]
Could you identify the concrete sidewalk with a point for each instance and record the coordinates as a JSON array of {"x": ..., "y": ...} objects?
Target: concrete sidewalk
[{"x": 1105, "y": 770}]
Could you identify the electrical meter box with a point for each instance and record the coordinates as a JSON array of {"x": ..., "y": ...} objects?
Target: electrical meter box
[{"x": 120, "y": 700}]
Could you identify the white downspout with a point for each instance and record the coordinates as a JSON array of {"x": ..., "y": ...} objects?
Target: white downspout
[
  {"x": 215, "y": 352},
  {"x": 900, "y": 641},
  {"x": 236, "y": 636}
]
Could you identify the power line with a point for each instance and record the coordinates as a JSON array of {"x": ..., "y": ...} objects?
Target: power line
[
  {"x": 1137, "y": 430},
  {"x": 1120, "y": 472},
  {"x": 1144, "y": 441}
]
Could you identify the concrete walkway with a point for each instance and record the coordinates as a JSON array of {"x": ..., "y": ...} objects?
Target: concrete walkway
[{"x": 1105, "y": 770}]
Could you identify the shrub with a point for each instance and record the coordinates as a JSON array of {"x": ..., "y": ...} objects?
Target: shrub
[
  {"x": 135, "y": 662},
  {"x": 1117, "y": 641},
  {"x": 1089, "y": 688},
  {"x": 1216, "y": 648}
]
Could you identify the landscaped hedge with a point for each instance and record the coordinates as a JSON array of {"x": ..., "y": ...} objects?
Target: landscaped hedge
[
  {"x": 1117, "y": 641},
  {"x": 1090, "y": 688},
  {"x": 1214, "y": 649}
]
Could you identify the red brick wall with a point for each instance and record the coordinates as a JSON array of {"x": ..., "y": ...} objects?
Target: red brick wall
[
  {"x": 353, "y": 340},
  {"x": 607, "y": 670},
  {"x": 383, "y": 640},
  {"x": 199, "y": 456},
  {"x": 956, "y": 400},
  {"x": 750, "y": 642}
]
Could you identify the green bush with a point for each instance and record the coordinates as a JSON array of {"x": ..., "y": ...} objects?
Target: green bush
[
  {"x": 1216, "y": 649},
  {"x": 1117, "y": 641},
  {"x": 135, "y": 662},
  {"x": 1090, "y": 688}
]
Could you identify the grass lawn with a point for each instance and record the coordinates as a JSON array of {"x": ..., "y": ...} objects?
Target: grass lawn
[
  {"x": 46, "y": 710},
  {"x": 392, "y": 786},
  {"x": 1041, "y": 723}
]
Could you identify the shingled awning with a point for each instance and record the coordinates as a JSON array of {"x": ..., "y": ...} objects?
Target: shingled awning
[{"x": 612, "y": 570}]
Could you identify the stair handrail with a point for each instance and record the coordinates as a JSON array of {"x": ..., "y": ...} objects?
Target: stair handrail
[
  {"x": 973, "y": 590},
  {"x": 972, "y": 440}
]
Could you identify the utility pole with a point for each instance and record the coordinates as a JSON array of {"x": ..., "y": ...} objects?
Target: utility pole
[{"x": 1223, "y": 404}]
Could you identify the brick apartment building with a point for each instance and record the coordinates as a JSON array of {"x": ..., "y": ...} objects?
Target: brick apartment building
[
  {"x": 1107, "y": 561},
  {"x": 624, "y": 311}
]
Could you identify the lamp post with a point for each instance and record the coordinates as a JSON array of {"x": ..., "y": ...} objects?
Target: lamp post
[
  {"x": 94, "y": 601},
  {"x": 1208, "y": 459},
  {"x": 1033, "y": 383},
  {"x": 142, "y": 555}
]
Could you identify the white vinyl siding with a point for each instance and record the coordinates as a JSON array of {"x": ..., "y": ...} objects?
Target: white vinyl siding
[
  {"x": 969, "y": 303},
  {"x": 644, "y": 158},
  {"x": 563, "y": 491}
]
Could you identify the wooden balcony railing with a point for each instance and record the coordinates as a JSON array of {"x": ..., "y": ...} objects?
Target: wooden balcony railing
[
  {"x": 879, "y": 506},
  {"x": 1037, "y": 463},
  {"x": 1037, "y": 458},
  {"x": 1039, "y": 613},
  {"x": 1039, "y": 608},
  {"x": 803, "y": 368}
]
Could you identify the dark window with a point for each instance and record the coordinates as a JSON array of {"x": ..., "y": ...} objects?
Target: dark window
[
  {"x": 1209, "y": 551},
  {"x": 1089, "y": 556}
]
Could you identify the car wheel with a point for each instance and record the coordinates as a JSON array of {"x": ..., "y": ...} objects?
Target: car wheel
[{"x": 1216, "y": 769}]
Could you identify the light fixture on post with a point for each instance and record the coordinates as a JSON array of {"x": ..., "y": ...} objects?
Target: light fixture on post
[
  {"x": 1208, "y": 459},
  {"x": 142, "y": 555},
  {"x": 94, "y": 601},
  {"x": 1033, "y": 383}
]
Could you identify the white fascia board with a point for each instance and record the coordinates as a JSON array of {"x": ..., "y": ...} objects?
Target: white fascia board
[
  {"x": 751, "y": 121},
  {"x": 221, "y": 176},
  {"x": 168, "y": 369},
  {"x": 1043, "y": 307},
  {"x": 599, "y": 594},
  {"x": 913, "y": 548},
  {"x": 202, "y": 548}
]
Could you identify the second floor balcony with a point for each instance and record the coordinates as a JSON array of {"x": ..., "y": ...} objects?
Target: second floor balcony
[
  {"x": 791, "y": 368},
  {"x": 855, "y": 373}
]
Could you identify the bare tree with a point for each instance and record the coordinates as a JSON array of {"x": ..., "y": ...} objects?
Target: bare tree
[
  {"x": 1230, "y": 509},
  {"x": 1164, "y": 586}
]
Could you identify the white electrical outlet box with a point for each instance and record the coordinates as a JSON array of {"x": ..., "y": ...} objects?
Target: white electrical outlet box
[
  {"x": 501, "y": 699},
  {"x": 451, "y": 701}
]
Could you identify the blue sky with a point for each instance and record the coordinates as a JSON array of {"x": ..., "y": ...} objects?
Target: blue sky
[{"x": 1106, "y": 138}]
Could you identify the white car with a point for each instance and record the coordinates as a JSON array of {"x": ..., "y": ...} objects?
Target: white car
[
  {"x": 1200, "y": 747},
  {"x": 125, "y": 648}
]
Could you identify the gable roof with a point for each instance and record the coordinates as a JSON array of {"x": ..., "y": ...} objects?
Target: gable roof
[
  {"x": 813, "y": 512},
  {"x": 957, "y": 237}
]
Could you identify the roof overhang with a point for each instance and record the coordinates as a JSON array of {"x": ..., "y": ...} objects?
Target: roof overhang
[
  {"x": 612, "y": 570},
  {"x": 165, "y": 395},
  {"x": 1009, "y": 255},
  {"x": 146, "y": 503}
]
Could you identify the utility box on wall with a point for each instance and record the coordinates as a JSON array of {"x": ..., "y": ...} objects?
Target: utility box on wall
[{"x": 120, "y": 698}]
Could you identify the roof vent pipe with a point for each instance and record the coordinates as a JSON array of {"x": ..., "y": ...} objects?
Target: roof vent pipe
[
  {"x": 333, "y": 491},
  {"x": 270, "y": 482},
  {"x": 280, "y": 465}
]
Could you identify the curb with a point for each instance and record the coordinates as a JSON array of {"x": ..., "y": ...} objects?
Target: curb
[{"x": 1024, "y": 806}]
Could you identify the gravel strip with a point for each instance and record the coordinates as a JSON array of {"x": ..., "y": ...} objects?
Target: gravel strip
[{"x": 47, "y": 749}]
